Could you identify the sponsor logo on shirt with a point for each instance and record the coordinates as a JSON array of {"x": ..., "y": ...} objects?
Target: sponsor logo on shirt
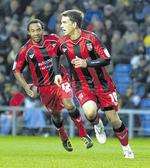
[{"x": 45, "y": 64}]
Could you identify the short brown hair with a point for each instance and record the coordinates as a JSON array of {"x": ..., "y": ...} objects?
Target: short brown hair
[
  {"x": 75, "y": 16},
  {"x": 35, "y": 21}
]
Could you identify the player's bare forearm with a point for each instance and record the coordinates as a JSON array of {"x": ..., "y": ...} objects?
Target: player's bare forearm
[
  {"x": 21, "y": 79},
  {"x": 24, "y": 84}
]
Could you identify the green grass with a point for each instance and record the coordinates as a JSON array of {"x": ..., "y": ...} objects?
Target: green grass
[{"x": 40, "y": 152}]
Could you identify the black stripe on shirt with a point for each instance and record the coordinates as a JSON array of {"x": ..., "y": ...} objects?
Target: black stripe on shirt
[
  {"x": 98, "y": 70},
  {"x": 72, "y": 72},
  {"x": 50, "y": 70},
  {"x": 85, "y": 71},
  {"x": 37, "y": 69}
]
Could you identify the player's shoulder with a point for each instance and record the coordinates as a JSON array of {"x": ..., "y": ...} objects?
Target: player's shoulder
[
  {"x": 51, "y": 37},
  {"x": 24, "y": 48},
  {"x": 63, "y": 38},
  {"x": 88, "y": 34}
]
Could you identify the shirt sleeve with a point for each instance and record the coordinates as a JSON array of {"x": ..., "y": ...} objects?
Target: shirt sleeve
[
  {"x": 100, "y": 50},
  {"x": 98, "y": 62},
  {"x": 53, "y": 38},
  {"x": 20, "y": 62},
  {"x": 59, "y": 51}
]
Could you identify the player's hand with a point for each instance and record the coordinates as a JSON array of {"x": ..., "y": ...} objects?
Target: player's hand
[
  {"x": 31, "y": 90},
  {"x": 58, "y": 80},
  {"x": 79, "y": 62}
]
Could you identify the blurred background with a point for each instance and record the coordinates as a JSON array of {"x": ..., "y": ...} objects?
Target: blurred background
[{"x": 124, "y": 28}]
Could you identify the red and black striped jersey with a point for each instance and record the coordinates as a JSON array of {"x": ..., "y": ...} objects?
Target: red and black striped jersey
[
  {"x": 39, "y": 59},
  {"x": 87, "y": 46}
]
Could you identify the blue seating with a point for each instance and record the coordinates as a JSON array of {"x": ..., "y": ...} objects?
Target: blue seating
[
  {"x": 122, "y": 78},
  {"x": 140, "y": 90},
  {"x": 145, "y": 103},
  {"x": 122, "y": 88},
  {"x": 145, "y": 119},
  {"x": 124, "y": 68},
  {"x": 145, "y": 124}
]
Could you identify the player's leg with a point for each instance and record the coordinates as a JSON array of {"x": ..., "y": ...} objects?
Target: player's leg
[
  {"x": 91, "y": 113},
  {"x": 66, "y": 95},
  {"x": 109, "y": 104},
  {"x": 51, "y": 101},
  {"x": 76, "y": 118},
  {"x": 121, "y": 132},
  {"x": 58, "y": 122}
]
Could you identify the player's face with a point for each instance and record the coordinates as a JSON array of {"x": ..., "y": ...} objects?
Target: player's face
[
  {"x": 36, "y": 32},
  {"x": 67, "y": 26}
]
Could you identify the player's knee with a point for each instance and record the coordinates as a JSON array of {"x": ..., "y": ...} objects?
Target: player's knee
[
  {"x": 69, "y": 105},
  {"x": 90, "y": 110},
  {"x": 90, "y": 114},
  {"x": 116, "y": 123}
]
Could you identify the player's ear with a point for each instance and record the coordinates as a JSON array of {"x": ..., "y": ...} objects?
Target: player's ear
[{"x": 74, "y": 24}]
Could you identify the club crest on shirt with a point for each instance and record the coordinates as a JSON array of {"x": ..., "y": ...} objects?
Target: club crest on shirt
[
  {"x": 31, "y": 54},
  {"x": 89, "y": 46},
  {"x": 64, "y": 49},
  {"x": 53, "y": 43}
]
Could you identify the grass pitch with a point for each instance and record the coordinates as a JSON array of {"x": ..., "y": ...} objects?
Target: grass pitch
[{"x": 40, "y": 152}]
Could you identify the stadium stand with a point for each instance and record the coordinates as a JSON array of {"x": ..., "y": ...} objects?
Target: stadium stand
[{"x": 123, "y": 27}]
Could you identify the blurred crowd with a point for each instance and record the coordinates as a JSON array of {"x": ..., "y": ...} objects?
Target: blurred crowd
[{"x": 122, "y": 25}]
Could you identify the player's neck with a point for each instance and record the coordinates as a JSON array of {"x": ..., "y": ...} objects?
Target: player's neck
[
  {"x": 40, "y": 43},
  {"x": 75, "y": 34}
]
